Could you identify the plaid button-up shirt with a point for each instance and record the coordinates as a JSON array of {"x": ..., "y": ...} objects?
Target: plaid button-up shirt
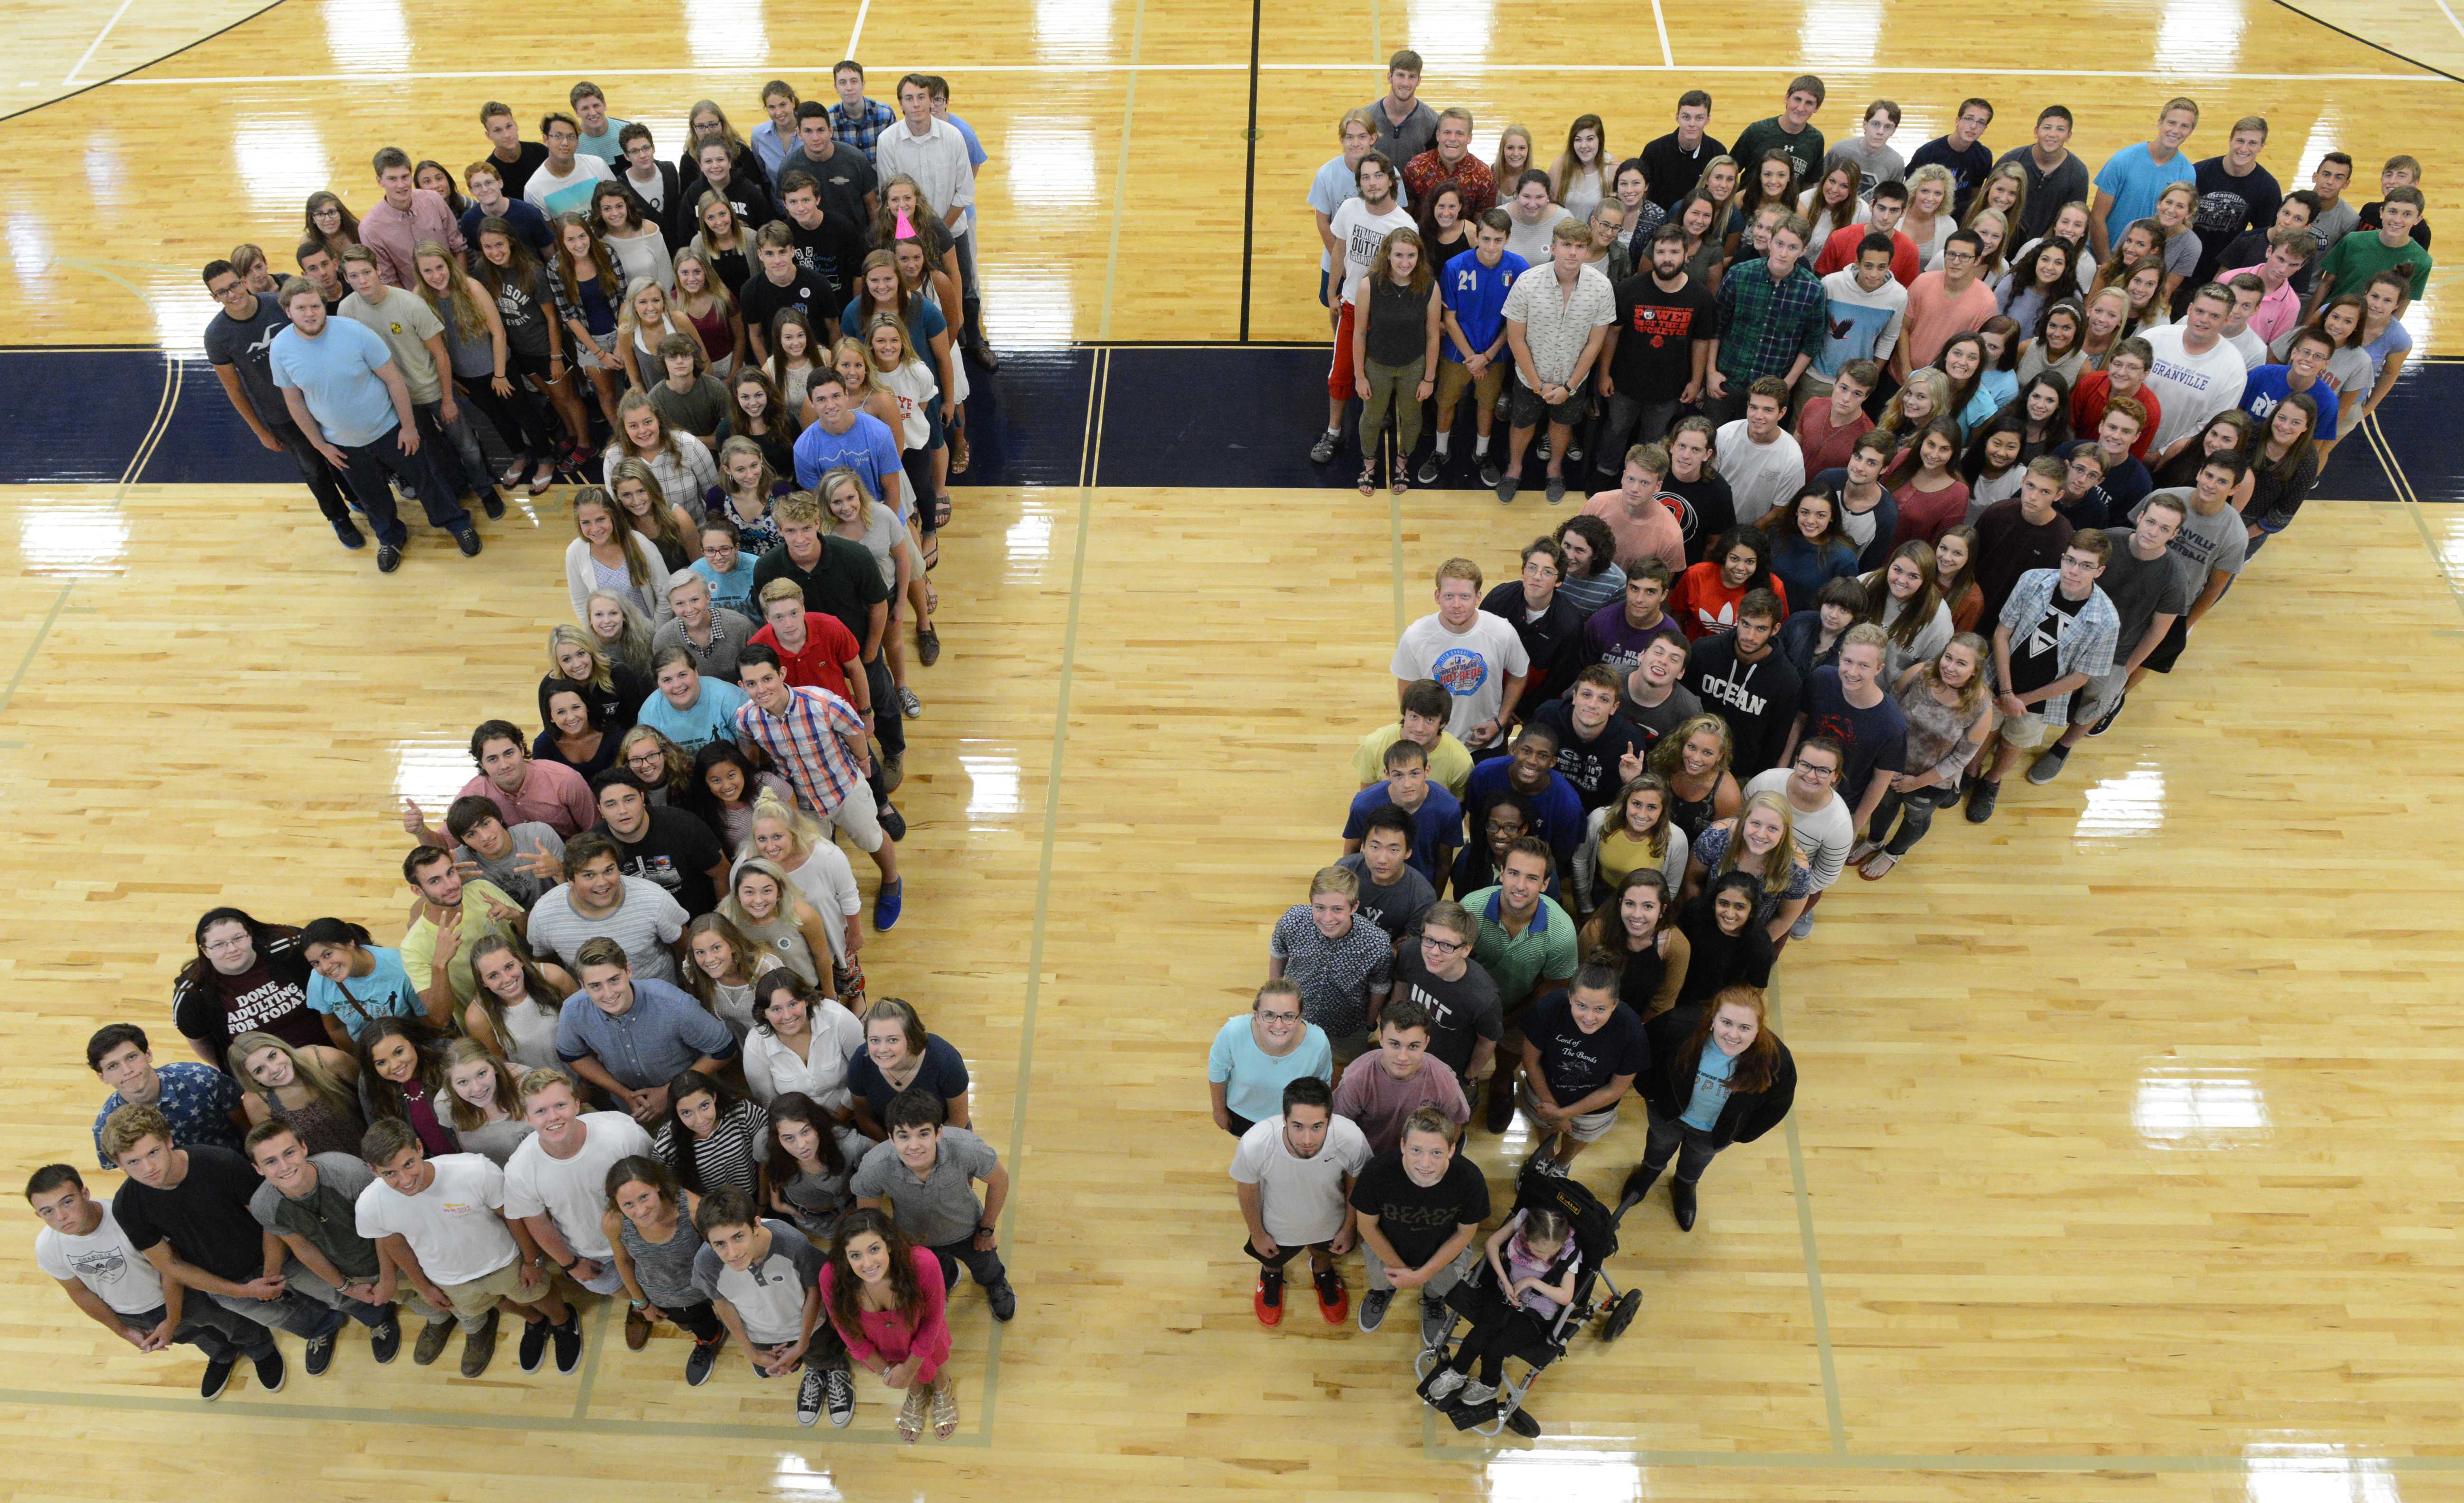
[
  {"x": 1764, "y": 325},
  {"x": 805, "y": 744},
  {"x": 863, "y": 125}
]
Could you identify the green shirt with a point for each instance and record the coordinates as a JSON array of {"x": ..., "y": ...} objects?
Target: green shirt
[
  {"x": 1766, "y": 135},
  {"x": 419, "y": 942},
  {"x": 2362, "y": 256},
  {"x": 1544, "y": 951}
]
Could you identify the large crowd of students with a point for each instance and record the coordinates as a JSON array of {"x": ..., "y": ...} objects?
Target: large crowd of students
[{"x": 1885, "y": 506}]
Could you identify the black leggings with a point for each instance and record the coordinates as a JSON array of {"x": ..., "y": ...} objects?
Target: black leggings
[
  {"x": 697, "y": 1318},
  {"x": 516, "y": 418},
  {"x": 1914, "y": 814},
  {"x": 1499, "y": 1330}
]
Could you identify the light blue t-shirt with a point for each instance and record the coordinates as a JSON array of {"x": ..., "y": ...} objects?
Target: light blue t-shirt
[
  {"x": 337, "y": 372},
  {"x": 2135, "y": 181},
  {"x": 712, "y": 717},
  {"x": 1710, "y": 1089},
  {"x": 1253, "y": 1079},
  {"x": 1336, "y": 182},
  {"x": 603, "y": 145},
  {"x": 1995, "y": 389},
  {"x": 734, "y": 589},
  {"x": 385, "y": 992}
]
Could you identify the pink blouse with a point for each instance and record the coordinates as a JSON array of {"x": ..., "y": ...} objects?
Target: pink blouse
[{"x": 885, "y": 1336}]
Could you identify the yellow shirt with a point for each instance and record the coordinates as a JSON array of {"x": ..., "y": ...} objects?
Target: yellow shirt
[
  {"x": 419, "y": 943},
  {"x": 1621, "y": 853},
  {"x": 1449, "y": 764}
]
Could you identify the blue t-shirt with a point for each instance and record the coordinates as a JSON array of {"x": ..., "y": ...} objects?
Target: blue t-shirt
[
  {"x": 1876, "y": 738},
  {"x": 1437, "y": 822},
  {"x": 1253, "y": 1079},
  {"x": 944, "y": 1074},
  {"x": 603, "y": 145},
  {"x": 868, "y": 448},
  {"x": 337, "y": 372},
  {"x": 712, "y": 719},
  {"x": 732, "y": 589},
  {"x": 385, "y": 992},
  {"x": 196, "y": 1099},
  {"x": 530, "y": 225},
  {"x": 1711, "y": 1074},
  {"x": 1476, "y": 296},
  {"x": 1558, "y": 810},
  {"x": 2268, "y": 385},
  {"x": 2136, "y": 181}
]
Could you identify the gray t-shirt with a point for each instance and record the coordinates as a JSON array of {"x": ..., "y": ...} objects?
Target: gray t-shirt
[
  {"x": 328, "y": 1216},
  {"x": 2142, "y": 589},
  {"x": 1656, "y": 720},
  {"x": 769, "y": 1296},
  {"x": 1462, "y": 1012},
  {"x": 1875, "y": 165},
  {"x": 1395, "y": 907},
  {"x": 531, "y": 839},
  {"x": 943, "y": 1208},
  {"x": 645, "y": 923},
  {"x": 247, "y": 347},
  {"x": 2219, "y": 540}
]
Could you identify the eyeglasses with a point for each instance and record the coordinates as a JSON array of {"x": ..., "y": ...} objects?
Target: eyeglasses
[
  {"x": 237, "y": 941},
  {"x": 1280, "y": 1017},
  {"x": 1958, "y": 256},
  {"x": 1816, "y": 770},
  {"x": 1443, "y": 947}
]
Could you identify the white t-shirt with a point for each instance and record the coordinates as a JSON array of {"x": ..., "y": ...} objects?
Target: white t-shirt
[
  {"x": 1473, "y": 664},
  {"x": 573, "y": 1191},
  {"x": 771, "y": 1067},
  {"x": 1300, "y": 1200},
  {"x": 553, "y": 194},
  {"x": 2192, "y": 388},
  {"x": 1822, "y": 838},
  {"x": 1760, "y": 476},
  {"x": 452, "y": 1226},
  {"x": 1360, "y": 234},
  {"x": 103, "y": 1260},
  {"x": 2252, "y": 349}
]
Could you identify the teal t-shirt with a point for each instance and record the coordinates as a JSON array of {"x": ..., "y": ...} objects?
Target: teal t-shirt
[
  {"x": 1710, "y": 1089},
  {"x": 1253, "y": 1079}
]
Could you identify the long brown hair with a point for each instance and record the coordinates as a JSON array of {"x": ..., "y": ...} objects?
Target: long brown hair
[
  {"x": 795, "y": 1106},
  {"x": 535, "y": 983},
  {"x": 1382, "y": 269},
  {"x": 1757, "y": 1067},
  {"x": 1603, "y": 937},
  {"x": 1919, "y": 612},
  {"x": 611, "y": 281},
  {"x": 843, "y": 1289}
]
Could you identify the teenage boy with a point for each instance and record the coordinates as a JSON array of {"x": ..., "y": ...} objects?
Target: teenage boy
[
  {"x": 1739, "y": 676},
  {"x": 657, "y": 183},
  {"x": 1434, "y": 816},
  {"x": 1884, "y": 211},
  {"x": 1557, "y": 320},
  {"x": 1417, "y": 1208},
  {"x": 555, "y": 1182},
  {"x": 439, "y": 1226},
  {"x": 932, "y": 152},
  {"x": 2209, "y": 549},
  {"x": 855, "y": 121},
  {"x": 763, "y": 1280},
  {"x": 1528, "y": 773},
  {"x": 201, "y": 1104},
  {"x": 1544, "y": 616},
  {"x": 1642, "y": 525},
  {"x": 2148, "y": 595},
  {"x": 1598, "y": 750},
  {"x": 708, "y": 636},
  {"x": 310, "y": 1202},
  {"x": 2124, "y": 375},
  {"x": 452, "y": 913},
  {"x": 1400, "y": 1078},
  {"x": 841, "y": 434},
  {"x": 2124, "y": 480},
  {"x": 103, "y": 1275},
  {"x": 2055, "y": 176},
  {"x": 524, "y": 861},
  {"x": 924, "y": 1176},
  {"x": 2193, "y": 372},
  {"x": 2235, "y": 193},
  {"x": 515, "y": 158},
  {"x": 840, "y": 579},
  {"x": 2305, "y": 363},
  {"x": 1949, "y": 300},
  {"x": 342, "y": 391},
  {"x": 814, "y": 648},
  {"x": 2400, "y": 171},
  {"x": 1473, "y": 356},
  {"x": 780, "y": 283},
  {"x": 492, "y": 197},
  {"x": 1393, "y": 893},
  {"x": 2250, "y": 248},
  {"x": 2289, "y": 252},
  {"x": 416, "y": 337},
  {"x": 1829, "y": 425},
  {"x": 1672, "y": 163},
  {"x": 239, "y": 344},
  {"x": 1406, "y": 126},
  {"x": 601, "y": 901},
  {"x": 2133, "y": 178},
  {"x": 1869, "y": 151},
  {"x": 1848, "y": 705},
  {"x": 1528, "y": 946},
  {"x": 2336, "y": 217},
  {"x": 829, "y": 254},
  {"x": 1616, "y": 636},
  {"x": 602, "y": 133},
  {"x": 317, "y": 264},
  {"x": 1656, "y": 700},
  {"x": 2083, "y": 503},
  {"x": 1868, "y": 312},
  {"x": 403, "y": 216},
  {"x": 1434, "y": 971},
  {"x": 1704, "y": 506},
  {"x": 842, "y": 174},
  {"x": 565, "y": 182},
  {"x": 2025, "y": 532},
  {"x": 2054, "y": 635},
  {"x": 1581, "y": 1050},
  {"x": 1774, "y": 315},
  {"x": 1450, "y": 161},
  {"x": 1337, "y": 183},
  {"x": 1293, "y": 1175},
  {"x": 1658, "y": 350},
  {"x": 1476, "y": 656},
  {"x": 523, "y": 791},
  {"x": 1342, "y": 966},
  {"x": 1963, "y": 151},
  {"x": 630, "y": 1037},
  {"x": 1425, "y": 707},
  {"x": 1792, "y": 130},
  {"x": 689, "y": 709},
  {"x": 2364, "y": 254},
  {"x": 816, "y": 743},
  {"x": 1761, "y": 461}
]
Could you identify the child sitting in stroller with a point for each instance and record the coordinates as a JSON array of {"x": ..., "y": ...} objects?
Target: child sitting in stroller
[{"x": 1534, "y": 1264}]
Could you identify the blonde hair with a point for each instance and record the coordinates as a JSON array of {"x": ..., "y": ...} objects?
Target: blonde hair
[
  {"x": 711, "y": 283},
  {"x": 633, "y": 643},
  {"x": 468, "y": 321},
  {"x": 603, "y": 675},
  {"x": 1779, "y": 867},
  {"x": 733, "y": 910},
  {"x": 829, "y": 479},
  {"x": 804, "y": 832},
  {"x": 304, "y": 1069}
]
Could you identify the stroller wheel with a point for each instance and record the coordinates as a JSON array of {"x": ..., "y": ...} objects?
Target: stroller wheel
[{"x": 1621, "y": 1314}]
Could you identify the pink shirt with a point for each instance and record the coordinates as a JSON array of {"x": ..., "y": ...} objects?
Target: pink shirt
[
  {"x": 2277, "y": 312},
  {"x": 1934, "y": 316},
  {"x": 553, "y": 794},
  {"x": 885, "y": 1336},
  {"x": 1377, "y": 1102},
  {"x": 394, "y": 234},
  {"x": 1656, "y": 535}
]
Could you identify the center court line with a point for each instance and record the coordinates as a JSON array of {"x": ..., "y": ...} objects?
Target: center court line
[
  {"x": 861, "y": 12},
  {"x": 1660, "y": 22},
  {"x": 1773, "y": 70}
]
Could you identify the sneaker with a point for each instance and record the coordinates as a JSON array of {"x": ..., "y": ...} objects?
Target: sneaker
[
  {"x": 1476, "y": 1393},
  {"x": 838, "y": 1396},
  {"x": 1446, "y": 1384},
  {"x": 1435, "y": 1320},
  {"x": 534, "y": 1348},
  {"x": 887, "y": 903},
  {"x": 270, "y": 1372},
  {"x": 1489, "y": 472},
  {"x": 349, "y": 534},
  {"x": 1557, "y": 489},
  {"x": 2105, "y": 722},
  {"x": 697, "y": 1366},
  {"x": 1268, "y": 1298},
  {"x": 808, "y": 1397},
  {"x": 384, "y": 1341},
  {"x": 893, "y": 824},
  {"x": 321, "y": 1353},
  {"x": 568, "y": 1341},
  {"x": 467, "y": 539},
  {"x": 1574, "y": 454},
  {"x": 2048, "y": 765},
  {"x": 909, "y": 704},
  {"x": 1430, "y": 468},
  {"x": 217, "y": 1378},
  {"x": 1501, "y": 1102},
  {"x": 928, "y": 646},
  {"x": 479, "y": 1347},
  {"x": 1506, "y": 486},
  {"x": 492, "y": 504},
  {"x": 1323, "y": 450},
  {"x": 1373, "y": 1308},
  {"x": 1332, "y": 1300},
  {"x": 1554, "y": 1167},
  {"x": 388, "y": 558},
  {"x": 1543, "y": 447},
  {"x": 1003, "y": 1299},
  {"x": 1802, "y": 928},
  {"x": 430, "y": 1344},
  {"x": 1980, "y": 803}
]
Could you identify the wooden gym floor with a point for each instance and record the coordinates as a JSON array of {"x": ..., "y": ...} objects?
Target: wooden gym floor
[{"x": 2124, "y": 1164}]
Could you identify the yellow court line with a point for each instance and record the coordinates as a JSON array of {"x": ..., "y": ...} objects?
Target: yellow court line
[{"x": 2385, "y": 451}]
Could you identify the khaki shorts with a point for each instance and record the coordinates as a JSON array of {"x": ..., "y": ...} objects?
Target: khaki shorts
[
  {"x": 1589, "y": 1128},
  {"x": 2029, "y": 732},
  {"x": 471, "y": 1301},
  {"x": 858, "y": 816},
  {"x": 1454, "y": 377}
]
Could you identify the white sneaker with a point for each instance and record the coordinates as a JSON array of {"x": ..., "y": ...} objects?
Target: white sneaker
[
  {"x": 1442, "y": 1386},
  {"x": 1476, "y": 1394}
]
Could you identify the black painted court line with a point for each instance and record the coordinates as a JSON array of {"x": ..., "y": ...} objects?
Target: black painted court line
[{"x": 1249, "y": 177}]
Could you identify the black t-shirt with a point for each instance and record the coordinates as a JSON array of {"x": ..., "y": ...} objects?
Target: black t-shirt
[
  {"x": 1967, "y": 167},
  {"x": 1709, "y": 510},
  {"x": 528, "y": 159},
  {"x": 1554, "y": 642},
  {"x": 204, "y": 1216},
  {"x": 247, "y": 347},
  {"x": 944, "y": 1074},
  {"x": 1462, "y": 1012},
  {"x": 762, "y": 299},
  {"x": 842, "y": 180},
  {"x": 1417, "y": 1221},
  {"x": 2036, "y": 651},
  {"x": 1655, "y": 335},
  {"x": 2228, "y": 204},
  {"x": 843, "y": 582},
  {"x": 1591, "y": 767},
  {"x": 1758, "y": 699},
  {"x": 619, "y": 703},
  {"x": 1578, "y": 1063},
  {"x": 526, "y": 306},
  {"x": 832, "y": 253},
  {"x": 676, "y": 851},
  {"x": 1672, "y": 170},
  {"x": 752, "y": 202},
  {"x": 271, "y": 997}
]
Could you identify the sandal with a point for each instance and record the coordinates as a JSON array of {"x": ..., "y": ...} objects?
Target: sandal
[
  {"x": 945, "y": 1407},
  {"x": 1369, "y": 479},
  {"x": 959, "y": 454},
  {"x": 1402, "y": 475},
  {"x": 1878, "y": 868},
  {"x": 931, "y": 555},
  {"x": 940, "y": 511},
  {"x": 910, "y": 1415}
]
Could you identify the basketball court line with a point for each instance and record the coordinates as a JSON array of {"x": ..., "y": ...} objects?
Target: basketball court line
[{"x": 2426, "y": 75}]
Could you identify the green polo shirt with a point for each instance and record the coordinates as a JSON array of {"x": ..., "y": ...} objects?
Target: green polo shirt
[
  {"x": 1544, "y": 951},
  {"x": 2361, "y": 255}
]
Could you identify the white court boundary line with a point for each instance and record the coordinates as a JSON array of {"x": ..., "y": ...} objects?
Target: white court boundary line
[
  {"x": 1667, "y": 58},
  {"x": 86, "y": 57}
]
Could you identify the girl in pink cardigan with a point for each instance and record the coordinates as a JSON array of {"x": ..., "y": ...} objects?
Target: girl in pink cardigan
[{"x": 885, "y": 1297}]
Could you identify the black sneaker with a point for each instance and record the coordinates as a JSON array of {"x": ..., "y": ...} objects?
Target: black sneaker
[
  {"x": 838, "y": 1396},
  {"x": 2048, "y": 765},
  {"x": 1373, "y": 1308},
  {"x": 1003, "y": 1298},
  {"x": 1323, "y": 450},
  {"x": 1574, "y": 454},
  {"x": 270, "y": 1372},
  {"x": 697, "y": 1366},
  {"x": 1506, "y": 486},
  {"x": 568, "y": 1341},
  {"x": 1489, "y": 472},
  {"x": 808, "y": 1397},
  {"x": 493, "y": 504},
  {"x": 321, "y": 1353},
  {"x": 1557, "y": 489},
  {"x": 384, "y": 1341},
  {"x": 217, "y": 1378},
  {"x": 1980, "y": 803},
  {"x": 893, "y": 824},
  {"x": 349, "y": 534},
  {"x": 388, "y": 558},
  {"x": 467, "y": 539},
  {"x": 1543, "y": 447},
  {"x": 2105, "y": 722},
  {"x": 534, "y": 1348},
  {"x": 1430, "y": 469}
]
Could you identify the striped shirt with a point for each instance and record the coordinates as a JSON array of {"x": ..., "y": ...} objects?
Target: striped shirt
[
  {"x": 730, "y": 1155},
  {"x": 805, "y": 743},
  {"x": 862, "y": 127},
  {"x": 1766, "y": 325}
]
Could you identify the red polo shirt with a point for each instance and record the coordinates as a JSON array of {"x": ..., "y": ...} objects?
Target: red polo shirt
[{"x": 828, "y": 645}]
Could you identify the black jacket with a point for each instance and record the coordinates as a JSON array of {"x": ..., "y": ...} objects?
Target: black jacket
[
  {"x": 1554, "y": 643},
  {"x": 1668, "y": 1085}
]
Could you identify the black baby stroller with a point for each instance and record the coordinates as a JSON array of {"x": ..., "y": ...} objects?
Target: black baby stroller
[{"x": 1595, "y": 1234}]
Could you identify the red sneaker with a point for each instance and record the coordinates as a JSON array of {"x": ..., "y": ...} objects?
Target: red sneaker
[
  {"x": 1332, "y": 1300},
  {"x": 1267, "y": 1302}
]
